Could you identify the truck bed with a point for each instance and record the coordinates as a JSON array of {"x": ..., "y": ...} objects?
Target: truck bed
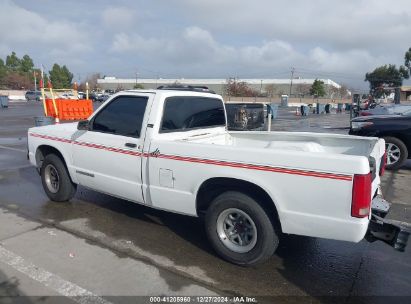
[{"x": 301, "y": 142}]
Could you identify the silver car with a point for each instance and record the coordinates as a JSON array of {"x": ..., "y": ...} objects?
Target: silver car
[{"x": 33, "y": 95}]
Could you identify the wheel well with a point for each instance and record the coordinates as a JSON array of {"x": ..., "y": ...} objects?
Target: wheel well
[
  {"x": 213, "y": 187},
  {"x": 43, "y": 151},
  {"x": 401, "y": 137}
]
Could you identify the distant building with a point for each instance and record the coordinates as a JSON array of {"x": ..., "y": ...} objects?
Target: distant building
[
  {"x": 405, "y": 93},
  {"x": 263, "y": 86}
]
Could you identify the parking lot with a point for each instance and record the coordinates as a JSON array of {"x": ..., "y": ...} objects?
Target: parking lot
[{"x": 103, "y": 247}]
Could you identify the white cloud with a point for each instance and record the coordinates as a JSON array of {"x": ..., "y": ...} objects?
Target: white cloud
[
  {"x": 21, "y": 27},
  {"x": 196, "y": 48},
  {"x": 343, "y": 61},
  {"x": 118, "y": 18},
  {"x": 348, "y": 24},
  {"x": 213, "y": 38},
  {"x": 123, "y": 43}
]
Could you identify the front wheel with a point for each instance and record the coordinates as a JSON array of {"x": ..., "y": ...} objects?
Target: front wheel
[
  {"x": 240, "y": 230},
  {"x": 397, "y": 152},
  {"x": 56, "y": 180}
]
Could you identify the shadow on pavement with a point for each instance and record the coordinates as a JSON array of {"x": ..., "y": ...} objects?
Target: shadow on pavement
[{"x": 11, "y": 293}]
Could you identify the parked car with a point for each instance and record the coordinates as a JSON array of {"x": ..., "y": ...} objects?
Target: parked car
[
  {"x": 394, "y": 129},
  {"x": 97, "y": 96},
  {"x": 170, "y": 150},
  {"x": 386, "y": 110},
  {"x": 102, "y": 97},
  {"x": 33, "y": 95},
  {"x": 67, "y": 95},
  {"x": 92, "y": 96}
]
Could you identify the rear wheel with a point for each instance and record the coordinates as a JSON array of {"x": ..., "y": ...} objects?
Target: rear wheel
[
  {"x": 397, "y": 152},
  {"x": 56, "y": 180},
  {"x": 240, "y": 230}
]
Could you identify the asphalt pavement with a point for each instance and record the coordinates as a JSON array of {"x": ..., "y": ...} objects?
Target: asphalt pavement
[{"x": 97, "y": 248}]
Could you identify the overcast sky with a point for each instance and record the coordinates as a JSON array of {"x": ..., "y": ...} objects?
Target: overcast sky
[{"x": 340, "y": 40}]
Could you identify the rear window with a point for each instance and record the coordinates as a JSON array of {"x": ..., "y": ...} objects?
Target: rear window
[{"x": 183, "y": 113}]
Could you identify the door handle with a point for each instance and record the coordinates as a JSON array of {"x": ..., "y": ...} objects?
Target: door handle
[{"x": 131, "y": 145}]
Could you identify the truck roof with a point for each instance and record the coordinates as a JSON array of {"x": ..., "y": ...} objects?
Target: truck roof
[{"x": 173, "y": 92}]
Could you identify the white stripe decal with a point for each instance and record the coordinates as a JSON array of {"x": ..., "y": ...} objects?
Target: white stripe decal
[{"x": 50, "y": 280}]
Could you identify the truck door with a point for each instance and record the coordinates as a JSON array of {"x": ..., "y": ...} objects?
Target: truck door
[{"x": 108, "y": 156}]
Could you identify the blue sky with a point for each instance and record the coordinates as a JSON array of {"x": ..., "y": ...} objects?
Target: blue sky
[{"x": 340, "y": 40}]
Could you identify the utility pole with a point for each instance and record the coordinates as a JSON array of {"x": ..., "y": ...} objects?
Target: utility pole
[
  {"x": 291, "y": 80},
  {"x": 35, "y": 81}
]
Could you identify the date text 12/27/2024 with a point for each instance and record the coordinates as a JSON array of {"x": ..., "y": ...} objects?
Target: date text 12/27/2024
[{"x": 202, "y": 299}]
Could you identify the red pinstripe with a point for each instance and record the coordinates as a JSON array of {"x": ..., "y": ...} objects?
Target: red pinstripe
[
  {"x": 203, "y": 161},
  {"x": 258, "y": 167}
]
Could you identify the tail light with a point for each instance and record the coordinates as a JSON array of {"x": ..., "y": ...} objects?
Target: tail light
[
  {"x": 361, "y": 195},
  {"x": 383, "y": 164}
]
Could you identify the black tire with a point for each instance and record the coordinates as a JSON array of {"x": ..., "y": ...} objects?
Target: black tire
[
  {"x": 267, "y": 237},
  {"x": 403, "y": 152},
  {"x": 66, "y": 188}
]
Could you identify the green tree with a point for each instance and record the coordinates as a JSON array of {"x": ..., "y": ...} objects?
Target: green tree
[
  {"x": 317, "y": 89},
  {"x": 26, "y": 64},
  {"x": 3, "y": 71},
  {"x": 60, "y": 77},
  {"x": 386, "y": 76},
  {"x": 407, "y": 59},
  {"x": 13, "y": 63}
]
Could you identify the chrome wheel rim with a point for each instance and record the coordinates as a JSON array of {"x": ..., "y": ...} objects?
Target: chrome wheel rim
[
  {"x": 393, "y": 153},
  {"x": 52, "y": 178},
  {"x": 236, "y": 230}
]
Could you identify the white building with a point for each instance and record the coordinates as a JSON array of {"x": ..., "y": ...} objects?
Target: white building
[{"x": 300, "y": 86}]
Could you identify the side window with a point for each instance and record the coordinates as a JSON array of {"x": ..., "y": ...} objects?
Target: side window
[
  {"x": 182, "y": 113},
  {"x": 122, "y": 116}
]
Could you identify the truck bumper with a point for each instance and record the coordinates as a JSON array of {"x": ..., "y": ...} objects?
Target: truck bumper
[{"x": 392, "y": 232}]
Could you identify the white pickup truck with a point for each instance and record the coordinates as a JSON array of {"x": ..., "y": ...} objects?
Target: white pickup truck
[{"x": 171, "y": 150}]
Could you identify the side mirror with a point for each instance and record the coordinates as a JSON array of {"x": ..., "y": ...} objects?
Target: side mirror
[{"x": 83, "y": 125}]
